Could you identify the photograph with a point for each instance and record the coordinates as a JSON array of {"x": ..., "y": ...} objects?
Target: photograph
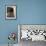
[{"x": 11, "y": 12}]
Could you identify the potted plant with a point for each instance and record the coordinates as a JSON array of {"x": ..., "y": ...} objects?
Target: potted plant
[{"x": 11, "y": 37}]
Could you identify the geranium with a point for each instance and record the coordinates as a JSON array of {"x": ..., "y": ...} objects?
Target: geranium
[{"x": 12, "y": 36}]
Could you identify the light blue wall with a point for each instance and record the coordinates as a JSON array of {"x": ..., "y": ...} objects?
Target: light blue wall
[
  {"x": 28, "y": 12},
  {"x": 33, "y": 12}
]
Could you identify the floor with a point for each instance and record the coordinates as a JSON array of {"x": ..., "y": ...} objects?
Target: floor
[
  {"x": 7, "y": 45},
  {"x": 30, "y": 43}
]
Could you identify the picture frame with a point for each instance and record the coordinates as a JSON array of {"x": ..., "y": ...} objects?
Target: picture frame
[{"x": 10, "y": 12}]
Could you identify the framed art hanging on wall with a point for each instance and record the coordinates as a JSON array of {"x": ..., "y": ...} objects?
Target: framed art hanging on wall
[{"x": 10, "y": 12}]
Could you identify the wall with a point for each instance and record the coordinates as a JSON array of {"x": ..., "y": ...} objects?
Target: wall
[
  {"x": 33, "y": 12},
  {"x": 28, "y": 12},
  {"x": 7, "y": 26}
]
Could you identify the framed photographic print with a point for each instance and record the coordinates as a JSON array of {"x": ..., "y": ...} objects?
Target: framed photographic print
[{"x": 10, "y": 12}]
